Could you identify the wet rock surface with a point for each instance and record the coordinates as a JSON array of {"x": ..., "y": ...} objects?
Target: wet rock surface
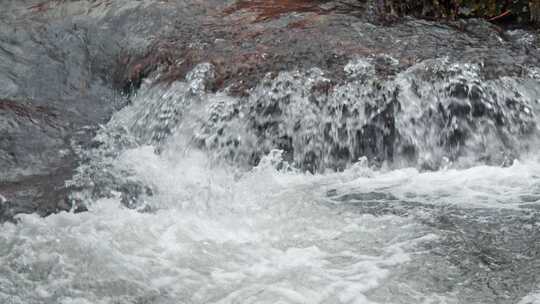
[{"x": 58, "y": 61}]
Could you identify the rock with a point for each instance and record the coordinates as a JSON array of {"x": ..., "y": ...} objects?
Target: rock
[{"x": 57, "y": 66}]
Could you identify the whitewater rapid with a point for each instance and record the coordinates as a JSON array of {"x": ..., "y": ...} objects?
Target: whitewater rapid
[
  {"x": 176, "y": 214},
  {"x": 264, "y": 237}
]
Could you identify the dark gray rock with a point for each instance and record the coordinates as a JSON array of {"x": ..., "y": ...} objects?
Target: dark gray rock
[{"x": 57, "y": 64}]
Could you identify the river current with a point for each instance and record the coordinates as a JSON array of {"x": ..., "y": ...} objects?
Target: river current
[{"x": 189, "y": 202}]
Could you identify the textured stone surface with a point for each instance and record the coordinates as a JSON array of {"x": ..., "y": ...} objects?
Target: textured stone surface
[{"x": 57, "y": 62}]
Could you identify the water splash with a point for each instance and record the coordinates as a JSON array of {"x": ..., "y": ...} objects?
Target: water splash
[
  {"x": 434, "y": 113},
  {"x": 222, "y": 207},
  {"x": 269, "y": 234}
]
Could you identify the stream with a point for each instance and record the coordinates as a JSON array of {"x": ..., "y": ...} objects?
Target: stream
[{"x": 397, "y": 165}]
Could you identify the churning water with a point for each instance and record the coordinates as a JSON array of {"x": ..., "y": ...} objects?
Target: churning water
[{"x": 179, "y": 213}]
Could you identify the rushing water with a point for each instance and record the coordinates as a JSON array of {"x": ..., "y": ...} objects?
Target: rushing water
[{"x": 178, "y": 214}]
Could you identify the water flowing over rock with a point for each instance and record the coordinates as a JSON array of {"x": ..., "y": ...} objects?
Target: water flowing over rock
[
  {"x": 432, "y": 112},
  {"x": 264, "y": 152}
]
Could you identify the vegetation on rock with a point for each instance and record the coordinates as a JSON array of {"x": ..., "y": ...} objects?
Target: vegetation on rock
[{"x": 522, "y": 11}]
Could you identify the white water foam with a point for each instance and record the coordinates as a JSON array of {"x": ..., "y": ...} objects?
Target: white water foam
[
  {"x": 265, "y": 237},
  {"x": 533, "y": 298}
]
